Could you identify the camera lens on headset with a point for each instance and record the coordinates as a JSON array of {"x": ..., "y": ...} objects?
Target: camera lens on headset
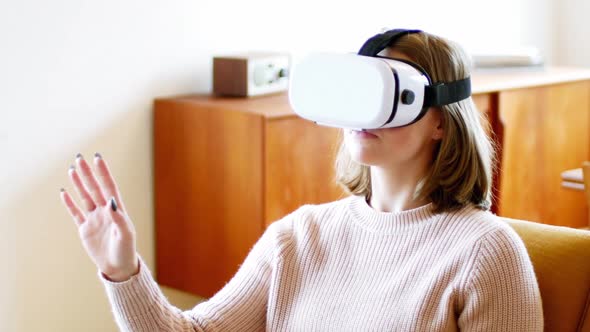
[{"x": 407, "y": 97}]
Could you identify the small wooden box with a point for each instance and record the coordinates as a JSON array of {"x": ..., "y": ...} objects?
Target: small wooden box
[{"x": 250, "y": 74}]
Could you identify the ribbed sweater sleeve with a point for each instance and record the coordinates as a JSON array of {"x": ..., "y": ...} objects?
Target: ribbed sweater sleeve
[
  {"x": 138, "y": 304},
  {"x": 502, "y": 293}
]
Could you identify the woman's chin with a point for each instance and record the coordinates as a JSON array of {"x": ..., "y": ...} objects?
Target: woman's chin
[
  {"x": 364, "y": 152},
  {"x": 363, "y": 158}
]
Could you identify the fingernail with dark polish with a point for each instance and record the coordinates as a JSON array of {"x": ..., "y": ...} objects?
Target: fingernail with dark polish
[
  {"x": 97, "y": 155},
  {"x": 79, "y": 155},
  {"x": 113, "y": 204},
  {"x": 62, "y": 190},
  {"x": 72, "y": 167}
]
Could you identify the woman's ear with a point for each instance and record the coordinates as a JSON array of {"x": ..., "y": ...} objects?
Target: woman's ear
[{"x": 438, "y": 131}]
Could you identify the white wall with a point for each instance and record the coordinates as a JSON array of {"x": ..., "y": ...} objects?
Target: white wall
[
  {"x": 80, "y": 76},
  {"x": 571, "y": 32}
]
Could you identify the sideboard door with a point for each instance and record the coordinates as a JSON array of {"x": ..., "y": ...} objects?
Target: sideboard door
[
  {"x": 546, "y": 131},
  {"x": 299, "y": 165}
]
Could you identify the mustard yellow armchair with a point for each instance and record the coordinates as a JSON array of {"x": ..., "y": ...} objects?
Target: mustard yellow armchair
[{"x": 561, "y": 258}]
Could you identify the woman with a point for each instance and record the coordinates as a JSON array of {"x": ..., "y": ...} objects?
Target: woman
[{"x": 414, "y": 248}]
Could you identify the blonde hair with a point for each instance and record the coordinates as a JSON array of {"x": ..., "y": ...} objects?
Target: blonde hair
[{"x": 464, "y": 159}]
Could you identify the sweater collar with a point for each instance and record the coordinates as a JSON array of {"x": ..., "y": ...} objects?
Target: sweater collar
[{"x": 388, "y": 222}]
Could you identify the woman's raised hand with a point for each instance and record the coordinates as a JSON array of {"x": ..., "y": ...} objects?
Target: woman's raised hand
[{"x": 105, "y": 229}]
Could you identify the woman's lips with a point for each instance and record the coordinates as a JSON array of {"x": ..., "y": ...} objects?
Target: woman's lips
[{"x": 363, "y": 134}]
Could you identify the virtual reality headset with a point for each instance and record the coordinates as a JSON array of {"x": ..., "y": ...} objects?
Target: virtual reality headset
[{"x": 366, "y": 90}]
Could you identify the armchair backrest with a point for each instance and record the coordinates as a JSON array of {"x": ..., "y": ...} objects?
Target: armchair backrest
[{"x": 561, "y": 259}]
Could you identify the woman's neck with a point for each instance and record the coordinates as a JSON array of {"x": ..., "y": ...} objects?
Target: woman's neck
[{"x": 392, "y": 190}]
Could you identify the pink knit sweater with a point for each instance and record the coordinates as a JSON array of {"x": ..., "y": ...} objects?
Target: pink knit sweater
[{"x": 343, "y": 266}]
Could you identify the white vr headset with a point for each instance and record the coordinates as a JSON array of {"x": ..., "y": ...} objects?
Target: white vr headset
[{"x": 368, "y": 91}]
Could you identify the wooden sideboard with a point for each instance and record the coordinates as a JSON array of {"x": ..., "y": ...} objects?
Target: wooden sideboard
[{"x": 225, "y": 168}]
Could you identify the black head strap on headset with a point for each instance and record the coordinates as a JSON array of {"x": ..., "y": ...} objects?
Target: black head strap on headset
[{"x": 438, "y": 94}]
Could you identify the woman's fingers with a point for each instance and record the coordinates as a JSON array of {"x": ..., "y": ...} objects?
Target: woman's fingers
[
  {"x": 90, "y": 180},
  {"x": 72, "y": 208},
  {"x": 108, "y": 182},
  {"x": 81, "y": 189},
  {"x": 118, "y": 217}
]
